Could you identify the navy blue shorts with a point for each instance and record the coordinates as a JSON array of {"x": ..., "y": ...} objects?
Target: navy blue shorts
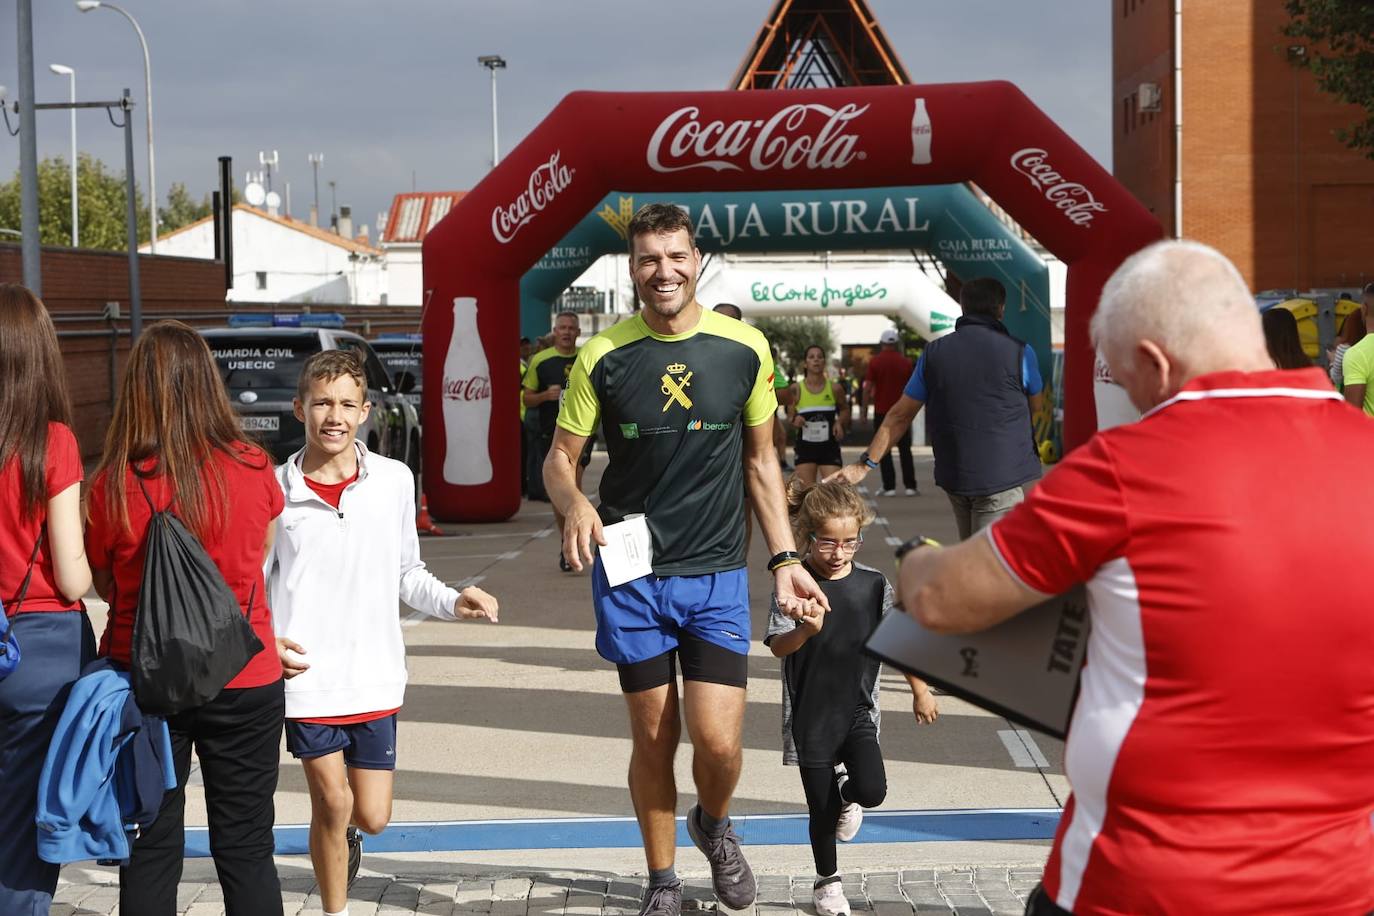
[{"x": 365, "y": 745}]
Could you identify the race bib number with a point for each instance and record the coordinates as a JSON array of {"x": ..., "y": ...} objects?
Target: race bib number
[{"x": 816, "y": 431}]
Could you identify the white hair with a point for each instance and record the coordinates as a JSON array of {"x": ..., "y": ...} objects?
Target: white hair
[{"x": 1186, "y": 298}]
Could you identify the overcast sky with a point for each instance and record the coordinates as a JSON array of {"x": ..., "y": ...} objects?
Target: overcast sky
[{"x": 390, "y": 88}]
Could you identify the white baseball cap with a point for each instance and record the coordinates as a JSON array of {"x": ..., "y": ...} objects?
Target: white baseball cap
[{"x": 888, "y": 337}]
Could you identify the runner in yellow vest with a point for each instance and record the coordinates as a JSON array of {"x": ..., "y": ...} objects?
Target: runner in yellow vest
[{"x": 821, "y": 416}]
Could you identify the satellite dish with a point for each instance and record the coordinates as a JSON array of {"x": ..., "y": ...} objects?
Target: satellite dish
[
  {"x": 273, "y": 200},
  {"x": 254, "y": 193}
]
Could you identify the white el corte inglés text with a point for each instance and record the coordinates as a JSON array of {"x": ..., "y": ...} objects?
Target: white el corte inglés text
[
  {"x": 467, "y": 400},
  {"x": 796, "y": 136},
  {"x": 547, "y": 181},
  {"x": 1074, "y": 199}
]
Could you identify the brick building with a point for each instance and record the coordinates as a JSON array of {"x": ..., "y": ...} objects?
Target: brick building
[{"x": 1261, "y": 175}]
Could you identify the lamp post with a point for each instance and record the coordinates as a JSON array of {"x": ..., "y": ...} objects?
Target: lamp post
[
  {"x": 68, "y": 72},
  {"x": 315, "y": 159},
  {"x": 86, "y": 6},
  {"x": 493, "y": 62}
]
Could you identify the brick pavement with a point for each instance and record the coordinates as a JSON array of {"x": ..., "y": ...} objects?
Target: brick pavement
[{"x": 967, "y": 891}]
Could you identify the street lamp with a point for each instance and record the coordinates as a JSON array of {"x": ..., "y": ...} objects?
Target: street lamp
[
  {"x": 493, "y": 62},
  {"x": 68, "y": 72},
  {"x": 86, "y": 6},
  {"x": 315, "y": 159}
]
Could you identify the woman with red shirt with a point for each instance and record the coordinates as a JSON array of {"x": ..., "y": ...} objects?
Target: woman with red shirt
[
  {"x": 174, "y": 431},
  {"x": 40, "y": 530}
]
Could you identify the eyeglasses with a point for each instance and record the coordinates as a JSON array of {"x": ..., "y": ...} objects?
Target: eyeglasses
[{"x": 830, "y": 545}]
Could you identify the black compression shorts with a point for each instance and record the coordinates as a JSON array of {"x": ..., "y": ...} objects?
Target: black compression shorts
[{"x": 701, "y": 661}]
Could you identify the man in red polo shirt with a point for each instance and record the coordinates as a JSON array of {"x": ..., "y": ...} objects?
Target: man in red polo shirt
[
  {"x": 888, "y": 372},
  {"x": 1221, "y": 753}
]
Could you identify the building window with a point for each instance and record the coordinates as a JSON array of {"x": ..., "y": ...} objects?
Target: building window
[{"x": 261, "y": 277}]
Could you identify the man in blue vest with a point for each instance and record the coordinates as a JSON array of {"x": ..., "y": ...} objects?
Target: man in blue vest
[{"x": 982, "y": 386}]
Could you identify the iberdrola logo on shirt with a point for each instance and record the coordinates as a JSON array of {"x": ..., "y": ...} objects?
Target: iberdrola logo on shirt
[{"x": 694, "y": 425}]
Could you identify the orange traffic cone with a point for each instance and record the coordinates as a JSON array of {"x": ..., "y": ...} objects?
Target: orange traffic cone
[{"x": 423, "y": 523}]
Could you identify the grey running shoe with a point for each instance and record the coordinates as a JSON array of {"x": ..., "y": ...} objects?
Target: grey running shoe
[
  {"x": 663, "y": 901},
  {"x": 355, "y": 853},
  {"x": 731, "y": 875}
]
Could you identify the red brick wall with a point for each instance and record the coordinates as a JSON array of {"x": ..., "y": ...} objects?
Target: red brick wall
[
  {"x": 78, "y": 283},
  {"x": 1264, "y": 178}
]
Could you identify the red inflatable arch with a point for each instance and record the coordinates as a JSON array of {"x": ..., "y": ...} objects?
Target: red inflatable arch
[{"x": 592, "y": 143}]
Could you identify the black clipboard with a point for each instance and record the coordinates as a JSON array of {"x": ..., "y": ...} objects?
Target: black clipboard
[{"x": 1025, "y": 669}]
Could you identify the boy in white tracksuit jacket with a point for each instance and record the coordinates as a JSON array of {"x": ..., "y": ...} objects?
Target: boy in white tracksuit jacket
[{"x": 345, "y": 554}]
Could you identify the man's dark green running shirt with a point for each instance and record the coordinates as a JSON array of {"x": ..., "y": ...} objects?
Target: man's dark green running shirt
[{"x": 671, "y": 409}]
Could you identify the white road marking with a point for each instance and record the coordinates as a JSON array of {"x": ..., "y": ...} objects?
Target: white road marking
[
  {"x": 508, "y": 555},
  {"x": 895, "y": 542},
  {"x": 542, "y": 533},
  {"x": 458, "y": 538},
  {"x": 1022, "y": 748},
  {"x": 879, "y": 520},
  {"x": 415, "y": 617}
]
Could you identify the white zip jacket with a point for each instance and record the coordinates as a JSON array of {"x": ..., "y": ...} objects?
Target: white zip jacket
[{"x": 335, "y": 578}]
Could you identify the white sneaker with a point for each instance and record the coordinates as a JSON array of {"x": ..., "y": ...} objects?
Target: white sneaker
[
  {"x": 887, "y": 492},
  {"x": 911, "y": 491},
  {"x": 847, "y": 827},
  {"x": 830, "y": 900}
]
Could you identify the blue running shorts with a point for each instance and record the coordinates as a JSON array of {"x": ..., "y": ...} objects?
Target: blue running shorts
[{"x": 365, "y": 745}]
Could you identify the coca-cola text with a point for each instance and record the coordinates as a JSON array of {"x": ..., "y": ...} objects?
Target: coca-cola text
[
  {"x": 682, "y": 141},
  {"x": 1074, "y": 199},
  {"x": 474, "y": 388},
  {"x": 546, "y": 182}
]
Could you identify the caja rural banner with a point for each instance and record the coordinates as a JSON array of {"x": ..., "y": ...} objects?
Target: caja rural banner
[
  {"x": 594, "y": 143},
  {"x": 948, "y": 221}
]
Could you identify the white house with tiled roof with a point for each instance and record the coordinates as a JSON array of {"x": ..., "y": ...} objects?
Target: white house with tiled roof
[
  {"x": 412, "y": 216},
  {"x": 279, "y": 259}
]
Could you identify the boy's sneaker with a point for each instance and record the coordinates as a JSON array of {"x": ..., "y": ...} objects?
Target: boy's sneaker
[
  {"x": 912, "y": 491},
  {"x": 887, "y": 492},
  {"x": 662, "y": 901},
  {"x": 355, "y": 853},
  {"x": 731, "y": 876},
  {"x": 829, "y": 899}
]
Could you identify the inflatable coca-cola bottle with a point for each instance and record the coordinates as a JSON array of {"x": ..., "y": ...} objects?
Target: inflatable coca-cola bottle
[{"x": 467, "y": 401}]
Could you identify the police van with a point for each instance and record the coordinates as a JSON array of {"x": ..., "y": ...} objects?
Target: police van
[
  {"x": 400, "y": 353},
  {"x": 262, "y": 365}
]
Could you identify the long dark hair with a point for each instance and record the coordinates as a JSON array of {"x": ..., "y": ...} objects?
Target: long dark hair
[
  {"x": 1281, "y": 337},
  {"x": 33, "y": 391},
  {"x": 172, "y": 409}
]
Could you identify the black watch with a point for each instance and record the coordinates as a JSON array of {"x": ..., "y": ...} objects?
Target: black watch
[{"x": 919, "y": 540}]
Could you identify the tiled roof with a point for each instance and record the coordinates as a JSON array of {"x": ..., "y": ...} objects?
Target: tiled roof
[
  {"x": 414, "y": 214},
  {"x": 322, "y": 234}
]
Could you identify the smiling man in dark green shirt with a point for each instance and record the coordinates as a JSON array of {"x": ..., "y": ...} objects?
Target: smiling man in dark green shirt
[{"x": 673, "y": 387}]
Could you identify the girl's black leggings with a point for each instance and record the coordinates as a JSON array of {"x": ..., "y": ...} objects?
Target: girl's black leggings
[{"x": 867, "y": 786}]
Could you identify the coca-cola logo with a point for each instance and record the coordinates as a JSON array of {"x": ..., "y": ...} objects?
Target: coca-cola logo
[
  {"x": 474, "y": 388},
  {"x": 788, "y": 140},
  {"x": 1074, "y": 199},
  {"x": 547, "y": 181}
]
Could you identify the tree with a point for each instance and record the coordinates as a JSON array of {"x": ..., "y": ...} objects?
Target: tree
[
  {"x": 1340, "y": 54},
  {"x": 100, "y": 197},
  {"x": 792, "y": 335},
  {"x": 181, "y": 209}
]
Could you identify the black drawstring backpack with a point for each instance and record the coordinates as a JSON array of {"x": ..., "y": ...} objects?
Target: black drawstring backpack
[{"x": 190, "y": 638}]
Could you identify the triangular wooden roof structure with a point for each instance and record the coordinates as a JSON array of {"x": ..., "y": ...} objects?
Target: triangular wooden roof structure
[{"x": 812, "y": 44}]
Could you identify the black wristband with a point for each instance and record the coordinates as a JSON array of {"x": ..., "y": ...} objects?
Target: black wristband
[
  {"x": 919, "y": 540},
  {"x": 867, "y": 461},
  {"x": 785, "y": 558}
]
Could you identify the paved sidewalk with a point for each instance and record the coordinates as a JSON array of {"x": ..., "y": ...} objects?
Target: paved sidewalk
[{"x": 969, "y": 891}]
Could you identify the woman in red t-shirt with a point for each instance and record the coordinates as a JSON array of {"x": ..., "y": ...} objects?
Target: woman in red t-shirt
[
  {"x": 174, "y": 430},
  {"x": 40, "y": 540}
]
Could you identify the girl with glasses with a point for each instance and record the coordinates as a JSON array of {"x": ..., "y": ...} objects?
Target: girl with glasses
[{"x": 829, "y": 687}]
